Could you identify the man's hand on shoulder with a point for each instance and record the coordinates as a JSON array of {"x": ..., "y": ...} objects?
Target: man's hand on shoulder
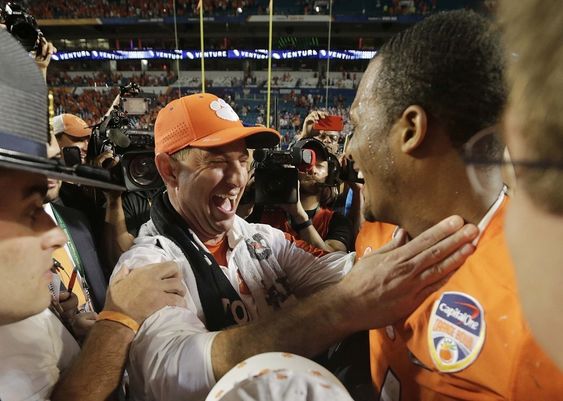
[
  {"x": 387, "y": 285},
  {"x": 140, "y": 292}
]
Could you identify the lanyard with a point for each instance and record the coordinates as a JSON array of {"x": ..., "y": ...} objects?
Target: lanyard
[{"x": 71, "y": 246}]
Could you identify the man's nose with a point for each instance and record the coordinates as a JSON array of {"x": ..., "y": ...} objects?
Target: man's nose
[{"x": 237, "y": 174}]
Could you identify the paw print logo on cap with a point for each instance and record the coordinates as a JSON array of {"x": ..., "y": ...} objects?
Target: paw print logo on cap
[{"x": 223, "y": 110}]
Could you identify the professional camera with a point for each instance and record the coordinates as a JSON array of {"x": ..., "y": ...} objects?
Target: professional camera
[
  {"x": 132, "y": 147},
  {"x": 276, "y": 171},
  {"x": 22, "y": 26}
]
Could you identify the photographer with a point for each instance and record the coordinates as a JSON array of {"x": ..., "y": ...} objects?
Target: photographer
[
  {"x": 72, "y": 131},
  {"x": 312, "y": 218},
  {"x": 104, "y": 209},
  {"x": 129, "y": 154},
  {"x": 327, "y": 129}
]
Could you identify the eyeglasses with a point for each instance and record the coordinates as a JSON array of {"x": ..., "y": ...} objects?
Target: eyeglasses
[
  {"x": 485, "y": 156},
  {"x": 473, "y": 155},
  {"x": 489, "y": 163}
]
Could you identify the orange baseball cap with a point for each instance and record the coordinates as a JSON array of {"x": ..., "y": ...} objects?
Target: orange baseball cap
[
  {"x": 71, "y": 125},
  {"x": 205, "y": 121}
]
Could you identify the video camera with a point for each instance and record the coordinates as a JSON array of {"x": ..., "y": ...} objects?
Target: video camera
[
  {"x": 132, "y": 147},
  {"x": 22, "y": 26},
  {"x": 276, "y": 171}
]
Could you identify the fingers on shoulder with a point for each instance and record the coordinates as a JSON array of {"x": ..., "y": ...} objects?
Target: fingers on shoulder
[{"x": 162, "y": 270}]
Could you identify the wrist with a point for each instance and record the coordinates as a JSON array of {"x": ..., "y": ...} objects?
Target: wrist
[
  {"x": 299, "y": 215},
  {"x": 117, "y": 330},
  {"x": 113, "y": 198},
  {"x": 337, "y": 310},
  {"x": 301, "y": 226},
  {"x": 119, "y": 318}
]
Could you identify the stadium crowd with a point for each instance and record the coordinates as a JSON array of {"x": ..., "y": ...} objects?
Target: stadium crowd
[
  {"x": 188, "y": 8},
  {"x": 106, "y": 79},
  {"x": 133, "y": 8},
  {"x": 400, "y": 245}
]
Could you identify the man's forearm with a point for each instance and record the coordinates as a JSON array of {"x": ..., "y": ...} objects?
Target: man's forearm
[
  {"x": 306, "y": 329},
  {"x": 98, "y": 370},
  {"x": 312, "y": 236}
]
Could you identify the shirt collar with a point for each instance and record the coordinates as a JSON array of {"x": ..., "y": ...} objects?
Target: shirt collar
[{"x": 485, "y": 221}]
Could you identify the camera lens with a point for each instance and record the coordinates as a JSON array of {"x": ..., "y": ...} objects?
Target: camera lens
[{"x": 142, "y": 170}]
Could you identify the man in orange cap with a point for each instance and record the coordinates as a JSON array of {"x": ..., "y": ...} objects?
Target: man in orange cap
[
  {"x": 240, "y": 275},
  {"x": 71, "y": 130}
]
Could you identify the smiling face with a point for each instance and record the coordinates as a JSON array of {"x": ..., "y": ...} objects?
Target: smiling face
[
  {"x": 207, "y": 187},
  {"x": 28, "y": 238},
  {"x": 369, "y": 148}
]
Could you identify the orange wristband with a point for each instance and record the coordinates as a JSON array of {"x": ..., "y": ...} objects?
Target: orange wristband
[{"x": 119, "y": 318}]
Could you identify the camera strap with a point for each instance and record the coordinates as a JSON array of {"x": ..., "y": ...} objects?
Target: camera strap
[{"x": 213, "y": 287}]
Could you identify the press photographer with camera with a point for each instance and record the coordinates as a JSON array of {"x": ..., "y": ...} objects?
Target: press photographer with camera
[
  {"x": 40, "y": 359},
  {"x": 103, "y": 208},
  {"x": 328, "y": 128},
  {"x": 310, "y": 216},
  {"x": 72, "y": 131},
  {"x": 134, "y": 150},
  {"x": 128, "y": 156},
  {"x": 324, "y": 127}
]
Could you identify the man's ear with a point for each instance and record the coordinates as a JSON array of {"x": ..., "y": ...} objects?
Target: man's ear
[
  {"x": 167, "y": 168},
  {"x": 413, "y": 128}
]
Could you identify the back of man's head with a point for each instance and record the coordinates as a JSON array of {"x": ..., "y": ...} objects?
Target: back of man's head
[
  {"x": 450, "y": 64},
  {"x": 534, "y": 38}
]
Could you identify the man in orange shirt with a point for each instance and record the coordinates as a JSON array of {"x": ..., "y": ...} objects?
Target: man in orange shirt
[{"x": 429, "y": 90}]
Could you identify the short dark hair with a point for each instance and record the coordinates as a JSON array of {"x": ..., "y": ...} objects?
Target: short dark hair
[{"x": 451, "y": 64}]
